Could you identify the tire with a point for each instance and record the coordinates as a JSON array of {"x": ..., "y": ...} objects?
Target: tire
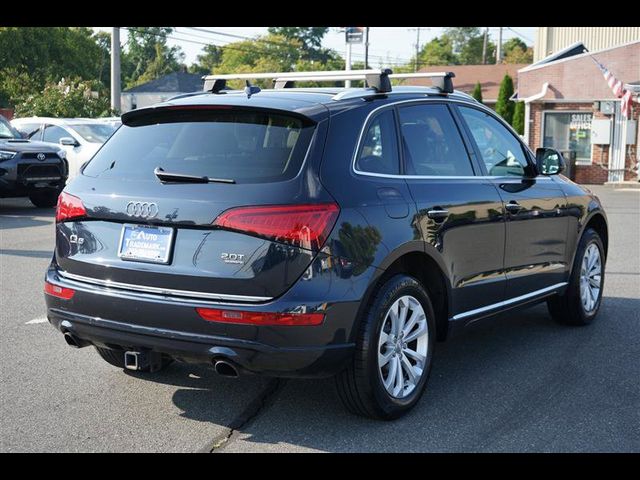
[
  {"x": 360, "y": 386},
  {"x": 44, "y": 198},
  {"x": 569, "y": 308},
  {"x": 116, "y": 358}
]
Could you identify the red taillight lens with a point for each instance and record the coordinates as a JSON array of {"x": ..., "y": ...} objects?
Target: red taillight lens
[
  {"x": 259, "y": 318},
  {"x": 69, "y": 207},
  {"x": 306, "y": 226},
  {"x": 58, "y": 291}
]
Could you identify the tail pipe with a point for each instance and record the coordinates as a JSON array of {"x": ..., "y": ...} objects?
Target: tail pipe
[
  {"x": 74, "y": 341},
  {"x": 226, "y": 369}
]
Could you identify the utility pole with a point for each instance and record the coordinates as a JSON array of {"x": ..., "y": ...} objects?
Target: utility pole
[
  {"x": 347, "y": 83},
  {"x": 115, "y": 69},
  {"x": 366, "y": 48},
  {"x": 499, "y": 47},
  {"x": 417, "y": 47},
  {"x": 484, "y": 45}
]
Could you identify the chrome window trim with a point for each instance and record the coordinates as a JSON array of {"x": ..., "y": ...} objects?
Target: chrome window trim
[
  {"x": 182, "y": 294},
  {"x": 421, "y": 177},
  {"x": 510, "y": 301}
]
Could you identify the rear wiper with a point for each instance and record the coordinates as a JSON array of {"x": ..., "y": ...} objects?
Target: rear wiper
[{"x": 169, "y": 177}]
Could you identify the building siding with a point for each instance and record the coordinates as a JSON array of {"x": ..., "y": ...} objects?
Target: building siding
[{"x": 553, "y": 39}]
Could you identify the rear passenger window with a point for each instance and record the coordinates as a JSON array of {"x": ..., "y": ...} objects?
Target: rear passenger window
[
  {"x": 431, "y": 142},
  {"x": 379, "y": 151}
]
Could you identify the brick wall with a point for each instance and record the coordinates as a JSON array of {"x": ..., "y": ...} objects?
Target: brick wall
[{"x": 597, "y": 172}]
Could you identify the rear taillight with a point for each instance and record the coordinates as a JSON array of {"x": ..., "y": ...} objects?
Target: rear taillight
[
  {"x": 306, "y": 226},
  {"x": 69, "y": 208},
  {"x": 259, "y": 318},
  {"x": 58, "y": 291}
]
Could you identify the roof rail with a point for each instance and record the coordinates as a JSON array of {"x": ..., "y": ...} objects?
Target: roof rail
[{"x": 378, "y": 79}]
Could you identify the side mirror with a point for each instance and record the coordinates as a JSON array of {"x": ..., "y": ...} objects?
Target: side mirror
[
  {"x": 549, "y": 161},
  {"x": 68, "y": 141}
]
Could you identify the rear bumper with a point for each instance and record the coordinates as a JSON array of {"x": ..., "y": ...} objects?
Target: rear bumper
[{"x": 114, "y": 319}]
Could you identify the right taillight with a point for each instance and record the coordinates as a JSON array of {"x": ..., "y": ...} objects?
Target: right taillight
[
  {"x": 69, "y": 208},
  {"x": 306, "y": 226}
]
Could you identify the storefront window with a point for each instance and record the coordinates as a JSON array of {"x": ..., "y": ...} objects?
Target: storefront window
[{"x": 569, "y": 132}]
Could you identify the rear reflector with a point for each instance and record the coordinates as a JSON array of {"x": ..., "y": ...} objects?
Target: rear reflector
[
  {"x": 306, "y": 226},
  {"x": 58, "y": 291},
  {"x": 69, "y": 208},
  {"x": 259, "y": 318}
]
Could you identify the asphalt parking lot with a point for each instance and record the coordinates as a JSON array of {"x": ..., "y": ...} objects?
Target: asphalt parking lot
[{"x": 518, "y": 382}]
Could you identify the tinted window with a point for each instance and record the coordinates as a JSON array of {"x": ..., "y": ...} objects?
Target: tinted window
[
  {"x": 501, "y": 152},
  {"x": 379, "y": 151},
  {"x": 243, "y": 146},
  {"x": 31, "y": 130},
  {"x": 6, "y": 130},
  {"x": 94, "y": 133},
  {"x": 432, "y": 143},
  {"x": 53, "y": 133}
]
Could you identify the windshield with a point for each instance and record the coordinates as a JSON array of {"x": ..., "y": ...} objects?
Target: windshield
[
  {"x": 7, "y": 131},
  {"x": 94, "y": 133},
  {"x": 244, "y": 146}
]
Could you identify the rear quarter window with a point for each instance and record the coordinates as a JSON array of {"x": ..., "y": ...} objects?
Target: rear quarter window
[{"x": 248, "y": 147}]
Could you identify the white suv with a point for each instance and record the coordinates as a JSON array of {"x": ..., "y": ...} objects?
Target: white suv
[{"x": 79, "y": 137}]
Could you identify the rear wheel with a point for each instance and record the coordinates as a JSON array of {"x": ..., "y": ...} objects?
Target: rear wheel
[
  {"x": 44, "y": 198},
  {"x": 116, "y": 358},
  {"x": 581, "y": 301},
  {"x": 394, "y": 348}
]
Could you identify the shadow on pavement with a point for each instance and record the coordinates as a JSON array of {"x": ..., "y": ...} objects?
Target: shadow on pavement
[
  {"x": 27, "y": 253},
  {"x": 20, "y": 213},
  {"x": 517, "y": 382}
]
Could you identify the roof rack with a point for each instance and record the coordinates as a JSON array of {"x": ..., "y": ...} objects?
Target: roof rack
[{"x": 378, "y": 79}]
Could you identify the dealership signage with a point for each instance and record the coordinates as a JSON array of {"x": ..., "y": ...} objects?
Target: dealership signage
[{"x": 354, "y": 34}]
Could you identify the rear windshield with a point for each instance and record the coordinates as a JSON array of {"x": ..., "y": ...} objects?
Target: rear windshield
[{"x": 248, "y": 147}]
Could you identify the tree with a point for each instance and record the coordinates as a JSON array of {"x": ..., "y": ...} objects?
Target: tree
[
  {"x": 309, "y": 37},
  {"x": 504, "y": 106},
  {"x": 438, "y": 51},
  {"x": 208, "y": 61},
  {"x": 67, "y": 98},
  {"x": 477, "y": 92},
  {"x": 468, "y": 44},
  {"x": 518, "y": 55},
  {"x": 518, "y": 118},
  {"x": 46, "y": 54},
  {"x": 143, "y": 57}
]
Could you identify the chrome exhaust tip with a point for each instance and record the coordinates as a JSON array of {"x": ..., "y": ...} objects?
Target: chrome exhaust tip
[{"x": 226, "y": 369}]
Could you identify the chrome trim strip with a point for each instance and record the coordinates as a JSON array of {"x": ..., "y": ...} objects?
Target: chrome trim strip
[
  {"x": 184, "y": 294},
  {"x": 509, "y": 302}
]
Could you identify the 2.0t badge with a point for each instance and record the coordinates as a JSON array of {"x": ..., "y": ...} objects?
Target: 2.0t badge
[{"x": 232, "y": 258}]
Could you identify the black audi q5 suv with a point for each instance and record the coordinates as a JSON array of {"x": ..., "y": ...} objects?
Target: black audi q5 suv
[{"x": 310, "y": 232}]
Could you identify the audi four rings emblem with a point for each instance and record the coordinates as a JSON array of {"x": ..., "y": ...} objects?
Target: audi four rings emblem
[
  {"x": 41, "y": 156},
  {"x": 142, "y": 209}
]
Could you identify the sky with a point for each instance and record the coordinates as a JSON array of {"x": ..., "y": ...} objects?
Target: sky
[{"x": 387, "y": 45}]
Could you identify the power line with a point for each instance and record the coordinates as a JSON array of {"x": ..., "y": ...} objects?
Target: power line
[{"x": 520, "y": 35}]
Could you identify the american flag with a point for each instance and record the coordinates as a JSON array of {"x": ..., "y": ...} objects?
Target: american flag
[{"x": 618, "y": 90}]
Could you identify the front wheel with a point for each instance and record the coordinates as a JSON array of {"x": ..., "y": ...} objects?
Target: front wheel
[
  {"x": 581, "y": 301},
  {"x": 392, "y": 361}
]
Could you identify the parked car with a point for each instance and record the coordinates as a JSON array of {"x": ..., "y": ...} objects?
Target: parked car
[
  {"x": 80, "y": 138},
  {"x": 30, "y": 169},
  {"x": 315, "y": 232},
  {"x": 115, "y": 122}
]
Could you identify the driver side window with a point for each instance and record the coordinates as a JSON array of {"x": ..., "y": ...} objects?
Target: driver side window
[{"x": 501, "y": 152}]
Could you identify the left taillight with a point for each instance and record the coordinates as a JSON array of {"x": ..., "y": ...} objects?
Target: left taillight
[
  {"x": 58, "y": 291},
  {"x": 69, "y": 208},
  {"x": 306, "y": 226}
]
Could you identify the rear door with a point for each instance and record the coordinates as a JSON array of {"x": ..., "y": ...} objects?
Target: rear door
[
  {"x": 252, "y": 158},
  {"x": 534, "y": 206},
  {"x": 459, "y": 212}
]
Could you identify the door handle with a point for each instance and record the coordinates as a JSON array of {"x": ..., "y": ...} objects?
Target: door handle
[
  {"x": 438, "y": 214},
  {"x": 513, "y": 207}
]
